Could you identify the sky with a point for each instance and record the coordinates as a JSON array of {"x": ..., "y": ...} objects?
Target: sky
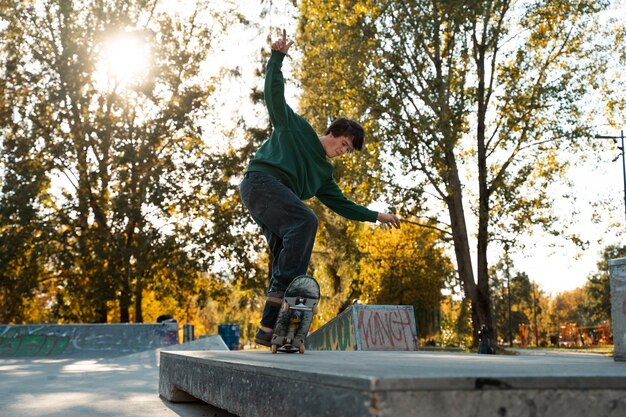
[{"x": 560, "y": 266}]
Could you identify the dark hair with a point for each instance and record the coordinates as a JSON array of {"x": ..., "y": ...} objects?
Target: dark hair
[{"x": 349, "y": 128}]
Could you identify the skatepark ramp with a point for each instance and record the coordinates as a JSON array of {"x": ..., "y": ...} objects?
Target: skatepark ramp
[
  {"x": 84, "y": 339},
  {"x": 367, "y": 327}
]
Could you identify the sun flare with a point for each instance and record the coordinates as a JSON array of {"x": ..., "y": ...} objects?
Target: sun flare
[{"x": 124, "y": 59}]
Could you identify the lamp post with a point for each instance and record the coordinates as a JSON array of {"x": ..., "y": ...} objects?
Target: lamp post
[
  {"x": 621, "y": 148},
  {"x": 508, "y": 287}
]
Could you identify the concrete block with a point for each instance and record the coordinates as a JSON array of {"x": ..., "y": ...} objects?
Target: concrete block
[
  {"x": 499, "y": 403},
  {"x": 250, "y": 390},
  {"x": 396, "y": 384},
  {"x": 617, "y": 278},
  {"x": 368, "y": 327}
]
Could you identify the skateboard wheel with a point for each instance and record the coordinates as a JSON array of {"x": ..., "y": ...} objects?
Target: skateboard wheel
[
  {"x": 274, "y": 348},
  {"x": 285, "y": 307},
  {"x": 301, "y": 349},
  {"x": 315, "y": 309}
]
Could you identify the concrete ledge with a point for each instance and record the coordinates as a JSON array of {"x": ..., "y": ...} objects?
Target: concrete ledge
[
  {"x": 617, "y": 281},
  {"x": 84, "y": 339},
  {"x": 617, "y": 262},
  {"x": 249, "y": 390},
  {"x": 367, "y": 327},
  {"x": 396, "y": 384},
  {"x": 212, "y": 342}
]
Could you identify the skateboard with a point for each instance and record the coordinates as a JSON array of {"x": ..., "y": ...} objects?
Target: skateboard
[{"x": 299, "y": 306}]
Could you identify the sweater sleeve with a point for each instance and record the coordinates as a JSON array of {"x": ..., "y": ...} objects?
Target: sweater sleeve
[
  {"x": 274, "y": 91},
  {"x": 333, "y": 198}
]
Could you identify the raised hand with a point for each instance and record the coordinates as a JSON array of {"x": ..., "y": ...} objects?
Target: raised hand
[{"x": 282, "y": 44}]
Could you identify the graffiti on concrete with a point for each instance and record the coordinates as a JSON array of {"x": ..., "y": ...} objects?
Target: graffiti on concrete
[
  {"x": 33, "y": 345},
  {"x": 376, "y": 328},
  {"x": 337, "y": 334},
  {"x": 69, "y": 339},
  {"x": 387, "y": 329}
]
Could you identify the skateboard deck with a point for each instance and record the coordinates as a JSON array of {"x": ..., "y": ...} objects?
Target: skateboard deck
[{"x": 299, "y": 306}]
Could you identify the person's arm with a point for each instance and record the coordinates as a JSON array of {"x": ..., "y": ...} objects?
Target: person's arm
[
  {"x": 332, "y": 197},
  {"x": 274, "y": 89}
]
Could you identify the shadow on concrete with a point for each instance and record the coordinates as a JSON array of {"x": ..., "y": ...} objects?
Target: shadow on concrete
[{"x": 199, "y": 409}]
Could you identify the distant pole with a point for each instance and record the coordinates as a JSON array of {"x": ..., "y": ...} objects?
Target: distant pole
[
  {"x": 496, "y": 309},
  {"x": 508, "y": 286},
  {"x": 623, "y": 170},
  {"x": 535, "y": 314},
  {"x": 508, "y": 279},
  {"x": 621, "y": 148}
]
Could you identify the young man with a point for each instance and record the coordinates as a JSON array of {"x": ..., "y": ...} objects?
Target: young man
[{"x": 290, "y": 167}]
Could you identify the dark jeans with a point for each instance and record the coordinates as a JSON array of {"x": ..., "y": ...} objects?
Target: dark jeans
[{"x": 289, "y": 227}]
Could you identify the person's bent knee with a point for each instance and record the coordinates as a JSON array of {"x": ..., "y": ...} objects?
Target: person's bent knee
[{"x": 311, "y": 223}]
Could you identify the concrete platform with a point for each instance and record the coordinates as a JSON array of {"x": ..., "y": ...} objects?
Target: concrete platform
[{"x": 403, "y": 384}]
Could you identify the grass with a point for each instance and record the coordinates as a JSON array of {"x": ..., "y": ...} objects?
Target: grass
[
  {"x": 429, "y": 348},
  {"x": 506, "y": 350},
  {"x": 606, "y": 350}
]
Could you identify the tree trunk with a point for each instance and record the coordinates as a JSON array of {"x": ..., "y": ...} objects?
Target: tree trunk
[
  {"x": 483, "y": 305},
  {"x": 477, "y": 293},
  {"x": 102, "y": 314},
  {"x": 460, "y": 237},
  {"x": 139, "y": 299},
  {"x": 125, "y": 302}
]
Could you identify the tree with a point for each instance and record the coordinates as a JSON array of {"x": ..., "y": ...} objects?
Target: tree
[
  {"x": 123, "y": 182},
  {"x": 521, "y": 304},
  {"x": 569, "y": 307},
  {"x": 529, "y": 304},
  {"x": 612, "y": 92},
  {"x": 484, "y": 90},
  {"x": 405, "y": 267},
  {"x": 598, "y": 288},
  {"x": 23, "y": 244}
]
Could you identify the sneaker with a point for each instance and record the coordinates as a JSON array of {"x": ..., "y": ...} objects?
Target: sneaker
[
  {"x": 275, "y": 298},
  {"x": 263, "y": 338}
]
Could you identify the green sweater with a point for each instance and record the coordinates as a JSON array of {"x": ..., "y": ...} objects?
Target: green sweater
[{"x": 294, "y": 153}]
